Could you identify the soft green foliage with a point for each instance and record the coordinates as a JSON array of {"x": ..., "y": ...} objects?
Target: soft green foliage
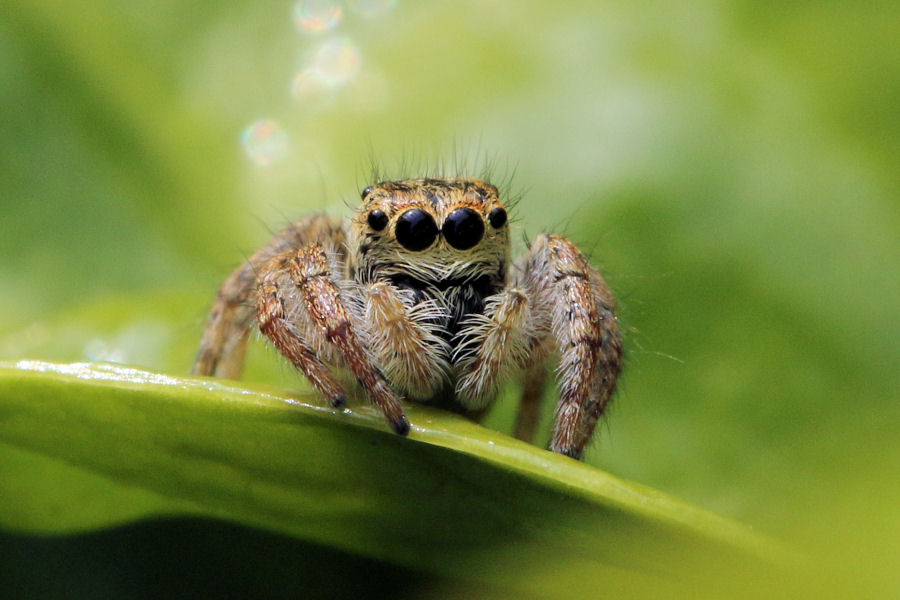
[
  {"x": 89, "y": 446},
  {"x": 731, "y": 166}
]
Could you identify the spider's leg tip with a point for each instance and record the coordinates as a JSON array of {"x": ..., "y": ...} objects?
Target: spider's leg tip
[
  {"x": 339, "y": 401},
  {"x": 401, "y": 425},
  {"x": 569, "y": 451}
]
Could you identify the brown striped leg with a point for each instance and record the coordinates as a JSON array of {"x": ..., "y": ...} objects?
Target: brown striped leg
[
  {"x": 310, "y": 270},
  {"x": 224, "y": 342},
  {"x": 275, "y": 324},
  {"x": 582, "y": 319}
]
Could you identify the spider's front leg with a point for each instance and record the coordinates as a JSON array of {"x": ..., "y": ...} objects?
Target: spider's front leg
[
  {"x": 298, "y": 301},
  {"x": 569, "y": 295},
  {"x": 232, "y": 314}
]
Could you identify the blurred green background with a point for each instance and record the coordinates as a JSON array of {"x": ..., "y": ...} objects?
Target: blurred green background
[{"x": 731, "y": 166}]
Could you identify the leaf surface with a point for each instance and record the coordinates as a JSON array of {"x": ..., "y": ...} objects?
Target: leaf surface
[{"x": 92, "y": 445}]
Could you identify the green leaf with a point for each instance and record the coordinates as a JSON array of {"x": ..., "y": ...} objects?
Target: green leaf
[{"x": 91, "y": 445}]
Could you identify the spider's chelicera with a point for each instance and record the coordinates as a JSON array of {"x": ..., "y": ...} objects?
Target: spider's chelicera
[{"x": 416, "y": 298}]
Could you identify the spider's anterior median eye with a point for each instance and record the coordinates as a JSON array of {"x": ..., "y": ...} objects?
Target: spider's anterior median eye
[
  {"x": 497, "y": 218},
  {"x": 416, "y": 230},
  {"x": 463, "y": 228},
  {"x": 377, "y": 220}
]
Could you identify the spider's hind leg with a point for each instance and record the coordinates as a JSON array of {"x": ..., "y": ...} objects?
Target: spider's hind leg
[{"x": 533, "y": 385}]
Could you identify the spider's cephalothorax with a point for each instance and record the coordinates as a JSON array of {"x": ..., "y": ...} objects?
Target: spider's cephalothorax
[
  {"x": 416, "y": 298},
  {"x": 443, "y": 244}
]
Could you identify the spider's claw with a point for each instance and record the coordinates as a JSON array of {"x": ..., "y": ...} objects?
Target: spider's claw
[
  {"x": 339, "y": 401},
  {"x": 569, "y": 451},
  {"x": 401, "y": 425}
]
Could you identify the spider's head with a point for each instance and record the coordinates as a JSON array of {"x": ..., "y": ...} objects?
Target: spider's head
[{"x": 431, "y": 229}]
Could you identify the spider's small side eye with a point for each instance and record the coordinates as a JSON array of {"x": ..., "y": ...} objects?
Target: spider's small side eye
[
  {"x": 377, "y": 220},
  {"x": 416, "y": 230},
  {"x": 367, "y": 191},
  {"x": 497, "y": 218}
]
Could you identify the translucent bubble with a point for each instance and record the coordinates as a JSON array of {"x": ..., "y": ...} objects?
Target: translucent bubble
[
  {"x": 309, "y": 86},
  {"x": 316, "y": 15},
  {"x": 369, "y": 93},
  {"x": 264, "y": 142},
  {"x": 97, "y": 350},
  {"x": 336, "y": 62},
  {"x": 371, "y": 8}
]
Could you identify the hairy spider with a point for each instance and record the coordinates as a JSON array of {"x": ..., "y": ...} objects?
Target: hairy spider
[{"x": 417, "y": 298}]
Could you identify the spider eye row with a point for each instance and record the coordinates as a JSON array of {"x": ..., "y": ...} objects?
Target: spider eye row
[{"x": 416, "y": 230}]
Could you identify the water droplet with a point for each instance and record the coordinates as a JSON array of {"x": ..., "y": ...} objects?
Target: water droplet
[
  {"x": 316, "y": 15},
  {"x": 336, "y": 62},
  {"x": 264, "y": 142},
  {"x": 371, "y": 8}
]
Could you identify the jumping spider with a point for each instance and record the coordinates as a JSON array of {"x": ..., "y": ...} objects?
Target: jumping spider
[{"x": 417, "y": 298}]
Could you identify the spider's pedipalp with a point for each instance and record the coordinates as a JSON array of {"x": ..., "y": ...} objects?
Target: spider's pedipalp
[
  {"x": 492, "y": 346},
  {"x": 403, "y": 338}
]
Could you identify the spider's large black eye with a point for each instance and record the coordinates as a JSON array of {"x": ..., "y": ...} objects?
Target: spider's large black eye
[
  {"x": 497, "y": 218},
  {"x": 416, "y": 230},
  {"x": 463, "y": 228},
  {"x": 377, "y": 220}
]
